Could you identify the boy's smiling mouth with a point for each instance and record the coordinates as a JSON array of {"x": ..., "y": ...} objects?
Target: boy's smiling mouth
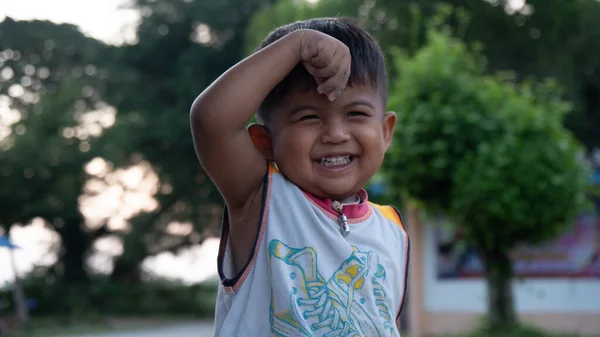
[{"x": 335, "y": 162}]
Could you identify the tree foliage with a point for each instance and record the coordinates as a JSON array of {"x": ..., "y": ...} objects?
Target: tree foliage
[
  {"x": 532, "y": 41},
  {"x": 48, "y": 86},
  {"x": 183, "y": 46},
  {"x": 491, "y": 153}
]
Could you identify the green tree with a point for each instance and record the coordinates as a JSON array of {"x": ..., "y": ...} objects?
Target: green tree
[
  {"x": 532, "y": 41},
  {"x": 489, "y": 152},
  {"x": 182, "y": 47},
  {"x": 49, "y": 81},
  {"x": 551, "y": 38}
]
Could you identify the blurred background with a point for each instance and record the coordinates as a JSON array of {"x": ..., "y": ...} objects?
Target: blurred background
[{"x": 108, "y": 222}]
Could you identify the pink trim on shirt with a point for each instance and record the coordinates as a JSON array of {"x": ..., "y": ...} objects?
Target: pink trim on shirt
[{"x": 352, "y": 211}]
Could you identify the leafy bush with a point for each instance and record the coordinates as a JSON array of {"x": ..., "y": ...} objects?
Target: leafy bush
[{"x": 104, "y": 298}]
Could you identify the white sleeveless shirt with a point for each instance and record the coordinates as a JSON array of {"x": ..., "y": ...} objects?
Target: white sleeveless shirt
[{"x": 305, "y": 278}]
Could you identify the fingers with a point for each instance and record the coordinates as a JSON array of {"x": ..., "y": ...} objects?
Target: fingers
[
  {"x": 328, "y": 61},
  {"x": 324, "y": 72},
  {"x": 333, "y": 86},
  {"x": 339, "y": 73},
  {"x": 324, "y": 55},
  {"x": 330, "y": 80},
  {"x": 317, "y": 52}
]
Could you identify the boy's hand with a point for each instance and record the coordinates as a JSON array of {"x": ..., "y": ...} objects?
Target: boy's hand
[{"x": 328, "y": 60}]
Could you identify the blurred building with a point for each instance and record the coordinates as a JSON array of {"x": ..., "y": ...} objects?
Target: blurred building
[{"x": 557, "y": 286}]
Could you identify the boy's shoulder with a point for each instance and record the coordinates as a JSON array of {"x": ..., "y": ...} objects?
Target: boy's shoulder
[{"x": 391, "y": 213}]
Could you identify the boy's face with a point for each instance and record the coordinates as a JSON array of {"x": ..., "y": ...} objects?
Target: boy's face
[{"x": 330, "y": 149}]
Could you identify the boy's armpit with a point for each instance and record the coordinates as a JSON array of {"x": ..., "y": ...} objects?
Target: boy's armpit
[{"x": 240, "y": 238}]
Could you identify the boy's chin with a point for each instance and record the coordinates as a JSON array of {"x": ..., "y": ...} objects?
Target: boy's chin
[{"x": 334, "y": 192}]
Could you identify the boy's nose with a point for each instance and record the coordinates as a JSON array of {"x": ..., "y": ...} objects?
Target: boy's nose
[{"x": 334, "y": 133}]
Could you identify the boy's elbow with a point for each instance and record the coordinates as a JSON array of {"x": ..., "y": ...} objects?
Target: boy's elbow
[
  {"x": 196, "y": 110},
  {"x": 199, "y": 115}
]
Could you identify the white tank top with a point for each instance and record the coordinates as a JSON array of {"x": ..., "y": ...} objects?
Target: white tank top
[{"x": 306, "y": 278}]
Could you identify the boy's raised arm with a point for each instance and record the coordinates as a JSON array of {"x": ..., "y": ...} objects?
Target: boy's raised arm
[{"x": 220, "y": 113}]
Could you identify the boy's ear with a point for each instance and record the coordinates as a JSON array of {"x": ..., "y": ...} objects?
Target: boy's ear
[
  {"x": 389, "y": 125},
  {"x": 261, "y": 139}
]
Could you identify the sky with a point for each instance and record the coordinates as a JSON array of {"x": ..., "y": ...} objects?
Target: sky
[
  {"x": 101, "y": 19},
  {"x": 104, "y": 20}
]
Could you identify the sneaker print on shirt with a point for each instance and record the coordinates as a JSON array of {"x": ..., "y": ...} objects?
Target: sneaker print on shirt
[{"x": 330, "y": 307}]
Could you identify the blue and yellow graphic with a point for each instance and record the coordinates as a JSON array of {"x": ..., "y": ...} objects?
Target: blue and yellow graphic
[{"x": 333, "y": 307}]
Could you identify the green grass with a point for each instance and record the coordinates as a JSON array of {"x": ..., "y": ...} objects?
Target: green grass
[
  {"x": 520, "y": 331},
  {"x": 54, "y": 327},
  {"x": 53, "y": 330}
]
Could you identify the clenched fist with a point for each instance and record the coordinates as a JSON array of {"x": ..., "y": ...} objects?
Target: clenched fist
[{"x": 328, "y": 60}]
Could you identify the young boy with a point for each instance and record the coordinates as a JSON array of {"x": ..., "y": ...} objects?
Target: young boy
[{"x": 303, "y": 252}]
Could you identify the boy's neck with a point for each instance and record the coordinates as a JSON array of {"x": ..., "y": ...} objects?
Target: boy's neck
[{"x": 351, "y": 200}]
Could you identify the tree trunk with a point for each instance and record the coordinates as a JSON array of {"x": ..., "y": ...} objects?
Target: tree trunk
[
  {"x": 499, "y": 273},
  {"x": 128, "y": 266},
  {"x": 127, "y": 272},
  {"x": 21, "y": 309},
  {"x": 75, "y": 244}
]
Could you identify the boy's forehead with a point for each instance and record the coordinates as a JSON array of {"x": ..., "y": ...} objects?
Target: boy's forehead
[{"x": 363, "y": 94}]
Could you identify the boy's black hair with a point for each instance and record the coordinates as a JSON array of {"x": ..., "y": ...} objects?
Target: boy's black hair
[{"x": 368, "y": 64}]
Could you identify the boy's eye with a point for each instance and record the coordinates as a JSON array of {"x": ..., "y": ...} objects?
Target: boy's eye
[
  {"x": 308, "y": 117},
  {"x": 356, "y": 113}
]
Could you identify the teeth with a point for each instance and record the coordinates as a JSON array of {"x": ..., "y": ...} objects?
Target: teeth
[{"x": 335, "y": 161}]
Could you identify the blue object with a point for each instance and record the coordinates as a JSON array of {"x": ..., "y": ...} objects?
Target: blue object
[
  {"x": 5, "y": 242},
  {"x": 32, "y": 303},
  {"x": 596, "y": 178}
]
